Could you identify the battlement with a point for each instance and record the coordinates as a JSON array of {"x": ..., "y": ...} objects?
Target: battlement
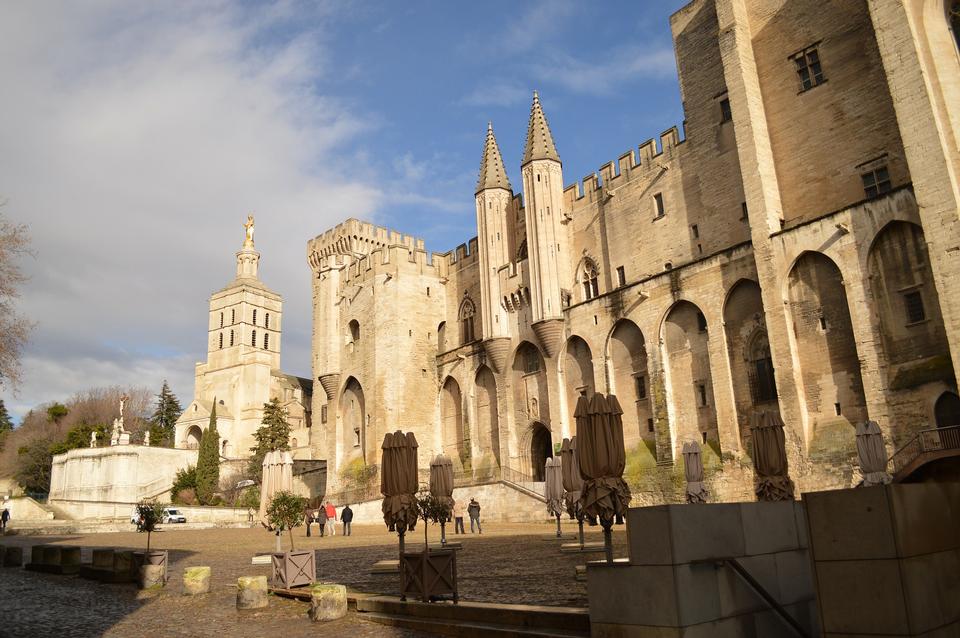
[
  {"x": 462, "y": 256},
  {"x": 397, "y": 258},
  {"x": 354, "y": 237},
  {"x": 645, "y": 161}
]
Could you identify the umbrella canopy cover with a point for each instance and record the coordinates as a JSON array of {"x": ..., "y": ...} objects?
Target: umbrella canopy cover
[
  {"x": 873, "y": 454},
  {"x": 772, "y": 481},
  {"x": 602, "y": 456},
  {"x": 572, "y": 483},
  {"x": 553, "y": 477},
  {"x": 277, "y": 476},
  {"x": 441, "y": 480},
  {"x": 398, "y": 480},
  {"x": 693, "y": 470}
]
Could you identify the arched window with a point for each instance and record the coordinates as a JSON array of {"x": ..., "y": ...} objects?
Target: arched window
[
  {"x": 253, "y": 338},
  {"x": 266, "y": 340},
  {"x": 588, "y": 279},
  {"x": 354, "y": 331},
  {"x": 467, "y": 311},
  {"x": 266, "y": 320},
  {"x": 221, "y": 340},
  {"x": 254, "y": 316},
  {"x": 231, "y": 337}
]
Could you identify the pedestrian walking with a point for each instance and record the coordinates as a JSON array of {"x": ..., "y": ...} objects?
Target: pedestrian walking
[
  {"x": 331, "y": 519},
  {"x": 4, "y": 519},
  {"x": 307, "y": 519},
  {"x": 473, "y": 509},
  {"x": 321, "y": 517},
  {"x": 458, "y": 518},
  {"x": 346, "y": 515}
]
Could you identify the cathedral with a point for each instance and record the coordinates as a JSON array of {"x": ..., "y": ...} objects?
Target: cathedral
[{"x": 792, "y": 247}]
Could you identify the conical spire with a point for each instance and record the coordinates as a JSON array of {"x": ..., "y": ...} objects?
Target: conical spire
[
  {"x": 492, "y": 172},
  {"x": 539, "y": 140}
]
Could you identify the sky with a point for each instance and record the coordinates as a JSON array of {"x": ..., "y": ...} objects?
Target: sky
[{"x": 135, "y": 137}]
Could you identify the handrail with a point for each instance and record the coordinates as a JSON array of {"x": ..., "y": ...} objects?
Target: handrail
[{"x": 928, "y": 440}]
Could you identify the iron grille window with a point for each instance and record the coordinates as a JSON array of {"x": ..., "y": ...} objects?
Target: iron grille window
[
  {"x": 876, "y": 182},
  {"x": 913, "y": 302},
  {"x": 253, "y": 338},
  {"x": 725, "y": 113},
  {"x": 808, "y": 68},
  {"x": 763, "y": 384},
  {"x": 641, "y": 383}
]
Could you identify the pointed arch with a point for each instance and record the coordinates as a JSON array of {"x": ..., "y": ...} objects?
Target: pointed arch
[
  {"x": 465, "y": 315},
  {"x": 352, "y": 436},
  {"x": 587, "y": 279},
  {"x": 531, "y": 395},
  {"x": 630, "y": 380},
  {"x": 488, "y": 412},
  {"x": 578, "y": 378},
  {"x": 455, "y": 441}
]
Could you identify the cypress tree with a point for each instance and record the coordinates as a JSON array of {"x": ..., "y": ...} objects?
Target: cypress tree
[
  {"x": 164, "y": 419},
  {"x": 208, "y": 460},
  {"x": 274, "y": 434}
]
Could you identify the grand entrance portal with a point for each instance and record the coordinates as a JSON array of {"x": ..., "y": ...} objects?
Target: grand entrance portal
[{"x": 541, "y": 449}]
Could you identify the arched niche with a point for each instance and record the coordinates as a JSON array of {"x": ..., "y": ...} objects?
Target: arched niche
[
  {"x": 488, "y": 413},
  {"x": 455, "y": 440},
  {"x": 687, "y": 357},
  {"x": 631, "y": 381},
  {"x": 577, "y": 373},
  {"x": 353, "y": 433}
]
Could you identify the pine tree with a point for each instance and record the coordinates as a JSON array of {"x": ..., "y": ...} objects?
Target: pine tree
[
  {"x": 6, "y": 424},
  {"x": 164, "y": 419},
  {"x": 208, "y": 460},
  {"x": 274, "y": 434}
]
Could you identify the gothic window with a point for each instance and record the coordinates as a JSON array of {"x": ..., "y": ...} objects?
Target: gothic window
[
  {"x": 531, "y": 361},
  {"x": 467, "y": 312},
  {"x": 231, "y": 337},
  {"x": 913, "y": 302},
  {"x": 266, "y": 320},
  {"x": 588, "y": 280},
  {"x": 221, "y": 340},
  {"x": 808, "y": 68},
  {"x": 266, "y": 341},
  {"x": 254, "y": 316},
  {"x": 253, "y": 338},
  {"x": 763, "y": 384}
]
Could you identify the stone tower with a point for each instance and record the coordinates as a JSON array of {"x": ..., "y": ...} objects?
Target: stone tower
[
  {"x": 493, "y": 197},
  {"x": 546, "y": 235}
]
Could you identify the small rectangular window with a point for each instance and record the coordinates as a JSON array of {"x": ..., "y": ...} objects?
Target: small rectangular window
[
  {"x": 876, "y": 182},
  {"x": 621, "y": 276},
  {"x": 323, "y": 414},
  {"x": 725, "y": 114},
  {"x": 695, "y": 231},
  {"x": 701, "y": 395},
  {"x": 254, "y": 316},
  {"x": 743, "y": 211},
  {"x": 641, "y": 383},
  {"x": 913, "y": 302},
  {"x": 649, "y": 425},
  {"x": 658, "y": 204},
  {"x": 823, "y": 322},
  {"x": 808, "y": 68},
  {"x": 836, "y": 408}
]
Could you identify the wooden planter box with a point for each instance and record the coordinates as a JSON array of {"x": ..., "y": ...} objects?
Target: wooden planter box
[
  {"x": 293, "y": 569},
  {"x": 429, "y": 576}
]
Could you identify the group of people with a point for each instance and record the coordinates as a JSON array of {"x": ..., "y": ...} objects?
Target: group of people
[
  {"x": 326, "y": 517},
  {"x": 473, "y": 511}
]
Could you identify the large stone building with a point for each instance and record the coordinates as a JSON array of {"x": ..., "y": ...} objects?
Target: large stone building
[
  {"x": 242, "y": 371},
  {"x": 795, "y": 248}
]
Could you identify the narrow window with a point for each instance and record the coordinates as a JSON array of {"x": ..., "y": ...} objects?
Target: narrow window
[
  {"x": 641, "y": 383},
  {"x": 702, "y": 394},
  {"x": 695, "y": 230},
  {"x": 658, "y": 205},
  {"x": 876, "y": 182},
  {"x": 254, "y": 316},
  {"x": 221, "y": 340},
  {"x": 649, "y": 425},
  {"x": 233, "y": 316},
  {"x": 221, "y": 319},
  {"x": 231, "y": 337},
  {"x": 428, "y": 291},
  {"x": 323, "y": 414},
  {"x": 808, "y": 68},
  {"x": 266, "y": 320},
  {"x": 354, "y": 331},
  {"x": 253, "y": 338},
  {"x": 913, "y": 302},
  {"x": 266, "y": 340},
  {"x": 836, "y": 408},
  {"x": 725, "y": 114},
  {"x": 621, "y": 276},
  {"x": 743, "y": 211},
  {"x": 703, "y": 435},
  {"x": 823, "y": 322}
]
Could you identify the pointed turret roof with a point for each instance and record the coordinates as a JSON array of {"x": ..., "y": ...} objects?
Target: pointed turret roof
[
  {"x": 492, "y": 172},
  {"x": 539, "y": 140}
]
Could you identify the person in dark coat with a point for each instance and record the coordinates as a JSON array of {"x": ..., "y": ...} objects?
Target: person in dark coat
[
  {"x": 473, "y": 510},
  {"x": 321, "y": 517},
  {"x": 346, "y": 515},
  {"x": 308, "y": 519}
]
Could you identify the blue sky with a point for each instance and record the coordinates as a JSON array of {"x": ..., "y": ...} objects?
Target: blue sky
[{"x": 137, "y": 136}]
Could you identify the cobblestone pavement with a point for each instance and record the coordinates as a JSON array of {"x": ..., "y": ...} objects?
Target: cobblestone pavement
[{"x": 510, "y": 563}]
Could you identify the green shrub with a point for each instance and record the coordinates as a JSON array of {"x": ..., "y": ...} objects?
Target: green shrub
[
  {"x": 250, "y": 498},
  {"x": 286, "y": 511}
]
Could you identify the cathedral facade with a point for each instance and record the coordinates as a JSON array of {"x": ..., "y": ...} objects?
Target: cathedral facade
[{"x": 793, "y": 247}]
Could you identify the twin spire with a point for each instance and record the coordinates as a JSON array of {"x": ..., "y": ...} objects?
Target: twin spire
[{"x": 539, "y": 146}]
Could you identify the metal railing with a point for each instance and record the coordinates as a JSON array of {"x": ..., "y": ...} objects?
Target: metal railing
[{"x": 924, "y": 441}]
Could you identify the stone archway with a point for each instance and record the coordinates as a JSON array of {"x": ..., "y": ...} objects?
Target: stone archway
[
  {"x": 541, "y": 449},
  {"x": 947, "y": 410},
  {"x": 193, "y": 437}
]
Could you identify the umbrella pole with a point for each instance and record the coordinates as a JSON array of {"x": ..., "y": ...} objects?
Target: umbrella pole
[
  {"x": 559, "y": 535},
  {"x": 443, "y": 533},
  {"x": 607, "y": 540},
  {"x": 580, "y": 526}
]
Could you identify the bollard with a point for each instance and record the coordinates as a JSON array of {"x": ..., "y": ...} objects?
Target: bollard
[
  {"x": 196, "y": 580},
  {"x": 252, "y": 592},
  {"x": 327, "y": 602},
  {"x": 151, "y": 576},
  {"x": 13, "y": 556}
]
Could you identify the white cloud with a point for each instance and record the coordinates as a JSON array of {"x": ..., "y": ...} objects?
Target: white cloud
[
  {"x": 619, "y": 66},
  {"x": 136, "y": 139},
  {"x": 496, "y": 93}
]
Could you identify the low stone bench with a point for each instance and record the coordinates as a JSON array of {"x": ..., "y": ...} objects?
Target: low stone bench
[
  {"x": 54, "y": 559},
  {"x": 11, "y": 556},
  {"x": 109, "y": 565},
  {"x": 327, "y": 602},
  {"x": 252, "y": 592}
]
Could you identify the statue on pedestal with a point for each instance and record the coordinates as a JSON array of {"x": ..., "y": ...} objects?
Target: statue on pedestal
[
  {"x": 93, "y": 439},
  {"x": 248, "y": 242},
  {"x": 115, "y": 432}
]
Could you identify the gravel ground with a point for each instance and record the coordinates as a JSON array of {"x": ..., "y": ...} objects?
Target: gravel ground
[{"x": 510, "y": 563}]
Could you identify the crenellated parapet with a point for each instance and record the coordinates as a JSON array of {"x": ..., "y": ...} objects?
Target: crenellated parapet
[
  {"x": 642, "y": 164},
  {"x": 354, "y": 238}
]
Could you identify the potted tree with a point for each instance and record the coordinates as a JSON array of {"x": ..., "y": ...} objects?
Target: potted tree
[
  {"x": 152, "y": 568},
  {"x": 292, "y": 568},
  {"x": 430, "y": 575}
]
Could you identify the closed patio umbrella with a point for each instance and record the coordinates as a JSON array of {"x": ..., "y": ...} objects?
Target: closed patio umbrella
[
  {"x": 602, "y": 459},
  {"x": 441, "y": 486},
  {"x": 873, "y": 454},
  {"x": 398, "y": 482},
  {"x": 693, "y": 471},
  {"x": 553, "y": 473},
  {"x": 277, "y": 477},
  {"x": 572, "y": 482},
  {"x": 772, "y": 480}
]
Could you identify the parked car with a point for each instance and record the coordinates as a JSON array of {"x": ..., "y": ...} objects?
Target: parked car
[{"x": 171, "y": 515}]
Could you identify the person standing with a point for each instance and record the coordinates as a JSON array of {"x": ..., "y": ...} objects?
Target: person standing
[
  {"x": 346, "y": 515},
  {"x": 321, "y": 518},
  {"x": 331, "y": 519},
  {"x": 458, "y": 518},
  {"x": 473, "y": 509},
  {"x": 4, "y": 519},
  {"x": 308, "y": 519}
]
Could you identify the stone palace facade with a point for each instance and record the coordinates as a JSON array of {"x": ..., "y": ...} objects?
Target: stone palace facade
[{"x": 794, "y": 248}]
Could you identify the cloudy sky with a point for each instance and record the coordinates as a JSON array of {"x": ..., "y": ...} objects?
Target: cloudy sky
[{"x": 135, "y": 138}]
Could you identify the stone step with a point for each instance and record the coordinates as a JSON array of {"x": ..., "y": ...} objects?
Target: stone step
[
  {"x": 519, "y": 618},
  {"x": 468, "y": 629}
]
